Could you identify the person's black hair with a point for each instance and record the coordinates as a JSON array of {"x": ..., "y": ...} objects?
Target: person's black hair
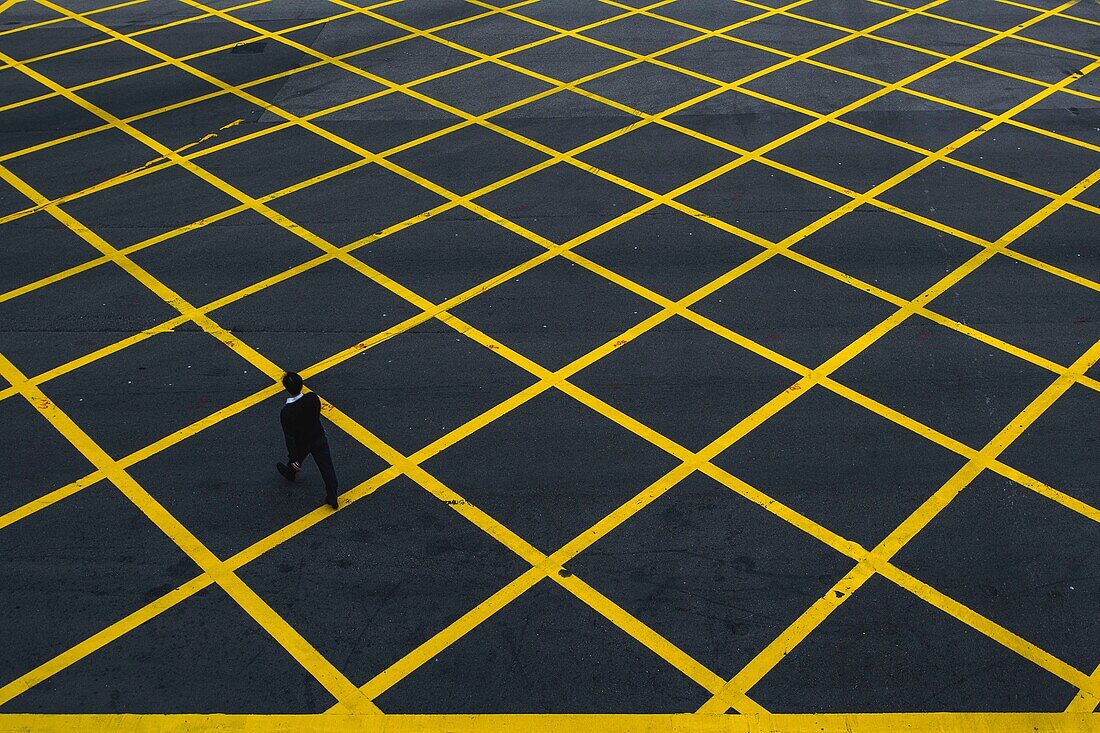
[{"x": 293, "y": 383}]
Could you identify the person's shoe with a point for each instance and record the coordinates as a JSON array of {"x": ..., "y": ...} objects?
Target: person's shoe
[
  {"x": 334, "y": 503},
  {"x": 285, "y": 472}
]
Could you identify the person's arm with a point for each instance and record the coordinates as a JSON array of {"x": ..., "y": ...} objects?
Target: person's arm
[
  {"x": 293, "y": 449},
  {"x": 314, "y": 405}
]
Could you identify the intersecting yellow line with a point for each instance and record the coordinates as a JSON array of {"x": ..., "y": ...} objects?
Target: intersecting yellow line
[
  {"x": 993, "y": 342},
  {"x": 940, "y": 54},
  {"x": 868, "y": 32},
  {"x": 1086, "y": 701},
  {"x": 820, "y": 610},
  {"x": 569, "y": 158},
  {"x": 324, "y": 59},
  {"x": 54, "y": 21},
  {"x": 987, "y": 29},
  {"x": 741, "y": 41},
  {"x": 481, "y": 518},
  {"x": 483, "y": 521},
  {"x": 331, "y": 678},
  {"x": 229, "y": 89},
  {"x": 122, "y": 74},
  {"x": 593, "y": 598},
  {"x": 430, "y": 648},
  {"x": 1064, "y": 16},
  {"x": 879, "y": 561},
  {"x": 125, "y": 623},
  {"x": 833, "y": 117},
  {"x": 139, "y": 32},
  {"x": 252, "y": 604},
  {"x": 253, "y": 553},
  {"x": 1011, "y": 254}
]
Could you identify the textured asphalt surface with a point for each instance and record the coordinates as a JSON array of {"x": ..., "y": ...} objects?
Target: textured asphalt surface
[{"x": 824, "y": 433}]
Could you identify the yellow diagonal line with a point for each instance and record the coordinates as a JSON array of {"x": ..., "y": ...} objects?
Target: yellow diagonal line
[
  {"x": 987, "y": 29},
  {"x": 333, "y": 681},
  {"x": 1086, "y": 701},
  {"x": 879, "y": 559},
  {"x": 53, "y": 21},
  {"x": 1064, "y": 16},
  {"x": 99, "y": 640},
  {"x": 998, "y": 344},
  {"x": 252, "y": 604},
  {"x": 141, "y": 31},
  {"x": 857, "y": 75}
]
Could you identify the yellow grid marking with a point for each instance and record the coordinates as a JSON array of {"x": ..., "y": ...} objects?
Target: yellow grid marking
[
  {"x": 726, "y": 693},
  {"x": 878, "y": 560},
  {"x": 246, "y": 598},
  {"x": 995, "y": 342},
  {"x": 53, "y": 21}
]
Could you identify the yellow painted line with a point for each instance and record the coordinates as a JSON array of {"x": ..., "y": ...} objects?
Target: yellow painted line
[
  {"x": 37, "y": 505},
  {"x": 1086, "y": 701},
  {"x": 101, "y": 639},
  {"x": 1010, "y": 33},
  {"x": 314, "y": 65},
  {"x": 1033, "y": 358},
  {"x": 155, "y": 608},
  {"x": 324, "y": 176},
  {"x": 251, "y": 603},
  {"x": 976, "y": 621},
  {"x": 1064, "y": 16},
  {"x": 420, "y": 458},
  {"x": 455, "y": 631},
  {"x": 612, "y": 612},
  {"x": 790, "y": 638},
  {"x": 333, "y": 681},
  {"x": 969, "y": 331},
  {"x": 264, "y": 615},
  {"x": 868, "y": 32},
  {"x": 139, "y": 32},
  {"x": 987, "y": 29},
  {"x": 857, "y": 75},
  {"x": 662, "y": 52},
  {"x": 879, "y": 559},
  {"x": 291, "y": 120},
  {"x": 7, "y": 4},
  {"x": 997, "y": 343},
  {"x": 759, "y": 723},
  {"x": 743, "y": 682},
  {"x": 450, "y": 495},
  {"x": 52, "y": 21}
]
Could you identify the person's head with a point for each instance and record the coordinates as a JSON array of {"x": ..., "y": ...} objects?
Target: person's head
[{"x": 293, "y": 383}]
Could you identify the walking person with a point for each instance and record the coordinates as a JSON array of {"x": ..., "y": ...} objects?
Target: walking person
[{"x": 301, "y": 419}]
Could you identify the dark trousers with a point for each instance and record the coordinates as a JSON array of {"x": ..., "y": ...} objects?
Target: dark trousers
[{"x": 323, "y": 458}]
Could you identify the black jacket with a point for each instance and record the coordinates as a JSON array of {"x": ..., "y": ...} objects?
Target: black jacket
[{"x": 301, "y": 421}]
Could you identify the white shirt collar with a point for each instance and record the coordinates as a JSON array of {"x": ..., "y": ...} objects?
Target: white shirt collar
[{"x": 295, "y": 398}]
